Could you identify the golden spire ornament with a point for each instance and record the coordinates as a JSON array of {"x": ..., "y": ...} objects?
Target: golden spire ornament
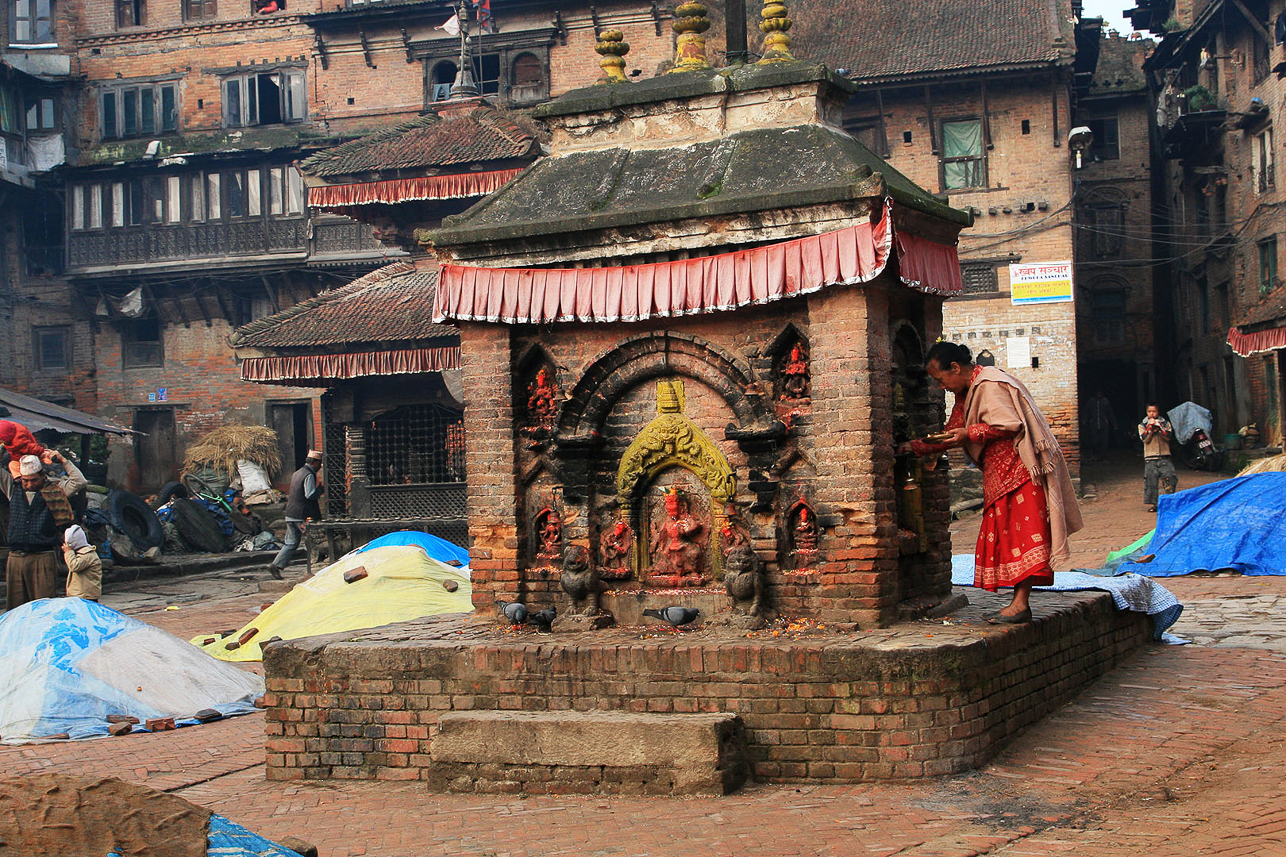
[
  {"x": 774, "y": 25},
  {"x": 690, "y": 22},
  {"x": 612, "y": 47}
]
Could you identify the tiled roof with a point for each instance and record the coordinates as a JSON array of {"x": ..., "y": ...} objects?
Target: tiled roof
[
  {"x": 879, "y": 39},
  {"x": 1271, "y": 308},
  {"x": 1120, "y": 66},
  {"x": 482, "y": 134},
  {"x": 393, "y": 304}
]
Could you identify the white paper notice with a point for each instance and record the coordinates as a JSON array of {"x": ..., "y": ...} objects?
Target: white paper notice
[{"x": 1019, "y": 350}]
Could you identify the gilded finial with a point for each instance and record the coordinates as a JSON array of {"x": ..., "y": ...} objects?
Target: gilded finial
[
  {"x": 612, "y": 47},
  {"x": 690, "y": 22},
  {"x": 670, "y": 396},
  {"x": 774, "y": 26}
]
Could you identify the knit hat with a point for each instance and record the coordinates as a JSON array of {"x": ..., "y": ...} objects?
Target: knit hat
[
  {"x": 314, "y": 454},
  {"x": 29, "y": 465},
  {"x": 75, "y": 537}
]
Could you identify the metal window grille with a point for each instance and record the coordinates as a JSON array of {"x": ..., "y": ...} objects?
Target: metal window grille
[
  {"x": 336, "y": 452},
  {"x": 979, "y": 279},
  {"x": 416, "y": 445}
]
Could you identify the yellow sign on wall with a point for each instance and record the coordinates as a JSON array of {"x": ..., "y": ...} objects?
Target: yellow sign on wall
[{"x": 1041, "y": 283}]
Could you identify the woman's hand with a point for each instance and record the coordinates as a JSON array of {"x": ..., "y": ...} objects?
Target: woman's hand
[
  {"x": 904, "y": 448},
  {"x": 959, "y": 436}
]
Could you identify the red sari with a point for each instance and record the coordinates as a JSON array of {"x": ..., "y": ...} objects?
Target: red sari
[{"x": 1014, "y": 540}]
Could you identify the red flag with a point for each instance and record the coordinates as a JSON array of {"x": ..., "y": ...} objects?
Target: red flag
[{"x": 486, "y": 23}]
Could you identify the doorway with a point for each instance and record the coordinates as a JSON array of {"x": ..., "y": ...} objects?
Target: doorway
[
  {"x": 155, "y": 449},
  {"x": 293, "y": 423}
]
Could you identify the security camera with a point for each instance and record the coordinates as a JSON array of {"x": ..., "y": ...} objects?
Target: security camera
[{"x": 1079, "y": 140}]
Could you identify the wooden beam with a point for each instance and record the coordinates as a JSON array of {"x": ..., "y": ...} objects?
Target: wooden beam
[
  {"x": 884, "y": 130},
  {"x": 406, "y": 43},
  {"x": 223, "y": 308},
  {"x": 1053, "y": 102},
  {"x": 272, "y": 295},
  {"x": 321, "y": 51},
  {"x": 178, "y": 305},
  {"x": 209, "y": 322},
  {"x": 1255, "y": 24},
  {"x": 933, "y": 131},
  {"x": 986, "y": 118},
  {"x": 366, "y": 47}
]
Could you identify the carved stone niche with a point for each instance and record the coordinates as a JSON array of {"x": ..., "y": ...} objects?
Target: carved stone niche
[
  {"x": 802, "y": 532},
  {"x": 538, "y": 398},
  {"x": 792, "y": 375},
  {"x": 616, "y": 550},
  {"x": 547, "y": 536}
]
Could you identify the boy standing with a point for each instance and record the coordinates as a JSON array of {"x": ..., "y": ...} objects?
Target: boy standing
[
  {"x": 1159, "y": 476},
  {"x": 84, "y": 568}
]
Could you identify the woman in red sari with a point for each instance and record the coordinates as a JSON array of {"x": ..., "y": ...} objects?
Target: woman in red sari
[{"x": 1029, "y": 503}]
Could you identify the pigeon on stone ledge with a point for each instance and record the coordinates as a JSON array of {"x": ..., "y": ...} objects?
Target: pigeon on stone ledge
[
  {"x": 543, "y": 619},
  {"x": 676, "y": 616},
  {"x": 514, "y": 611}
]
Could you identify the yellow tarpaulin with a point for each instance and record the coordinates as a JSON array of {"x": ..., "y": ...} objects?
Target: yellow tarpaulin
[{"x": 401, "y": 583}]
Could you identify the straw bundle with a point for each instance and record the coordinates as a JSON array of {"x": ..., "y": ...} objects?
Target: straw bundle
[
  {"x": 221, "y": 448},
  {"x": 1273, "y": 464}
]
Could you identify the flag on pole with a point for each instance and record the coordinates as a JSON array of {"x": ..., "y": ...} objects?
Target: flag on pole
[
  {"x": 451, "y": 25},
  {"x": 486, "y": 23}
]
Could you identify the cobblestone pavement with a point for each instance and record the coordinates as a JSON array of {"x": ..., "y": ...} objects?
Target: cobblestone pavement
[{"x": 1180, "y": 751}]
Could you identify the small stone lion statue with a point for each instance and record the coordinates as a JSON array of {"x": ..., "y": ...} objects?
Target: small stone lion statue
[
  {"x": 579, "y": 580},
  {"x": 743, "y": 576}
]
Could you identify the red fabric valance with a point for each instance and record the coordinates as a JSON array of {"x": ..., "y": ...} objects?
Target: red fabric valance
[
  {"x": 927, "y": 265},
  {"x": 393, "y": 191},
  {"x": 1258, "y": 342},
  {"x": 307, "y": 369},
  {"x": 856, "y": 254}
]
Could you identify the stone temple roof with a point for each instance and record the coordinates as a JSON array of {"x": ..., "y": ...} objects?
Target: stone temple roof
[
  {"x": 888, "y": 39},
  {"x": 433, "y": 140},
  {"x": 754, "y": 170},
  {"x": 392, "y": 304}
]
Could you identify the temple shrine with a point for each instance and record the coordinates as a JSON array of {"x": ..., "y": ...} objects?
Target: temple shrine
[{"x": 692, "y": 337}]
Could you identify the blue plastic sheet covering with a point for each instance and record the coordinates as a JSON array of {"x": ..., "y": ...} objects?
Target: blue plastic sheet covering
[
  {"x": 437, "y": 548},
  {"x": 1235, "y": 524},
  {"x": 229, "y": 839},
  {"x": 67, "y": 663},
  {"x": 1187, "y": 418},
  {"x": 1128, "y": 591}
]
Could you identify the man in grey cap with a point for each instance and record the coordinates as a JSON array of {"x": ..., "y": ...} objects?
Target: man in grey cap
[
  {"x": 303, "y": 504},
  {"x": 39, "y": 511}
]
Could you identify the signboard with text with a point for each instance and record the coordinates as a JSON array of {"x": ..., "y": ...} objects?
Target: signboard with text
[{"x": 1041, "y": 283}]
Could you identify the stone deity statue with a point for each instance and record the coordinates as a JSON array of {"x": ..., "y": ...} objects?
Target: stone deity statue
[
  {"x": 540, "y": 402},
  {"x": 551, "y": 535},
  {"x": 794, "y": 381},
  {"x": 615, "y": 548},
  {"x": 677, "y": 554},
  {"x": 805, "y": 534}
]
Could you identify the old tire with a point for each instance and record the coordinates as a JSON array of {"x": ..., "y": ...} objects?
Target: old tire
[
  {"x": 169, "y": 490},
  {"x": 197, "y": 526},
  {"x": 243, "y": 524},
  {"x": 135, "y": 519}
]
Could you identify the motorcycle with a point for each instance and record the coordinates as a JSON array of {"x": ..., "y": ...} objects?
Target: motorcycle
[{"x": 1192, "y": 425}]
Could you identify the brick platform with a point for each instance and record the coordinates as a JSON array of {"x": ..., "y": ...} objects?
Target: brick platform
[{"x": 915, "y": 700}]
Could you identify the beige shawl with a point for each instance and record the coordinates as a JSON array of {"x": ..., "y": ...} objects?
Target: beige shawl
[{"x": 999, "y": 399}]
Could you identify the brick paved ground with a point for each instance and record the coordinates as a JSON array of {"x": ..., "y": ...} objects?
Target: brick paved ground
[{"x": 1178, "y": 752}]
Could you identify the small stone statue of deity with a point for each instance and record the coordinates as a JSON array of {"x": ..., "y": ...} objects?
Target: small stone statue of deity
[
  {"x": 550, "y": 534},
  {"x": 676, "y": 544},
  {"x": 794, "y": 375},
  {"x": 743, "y": 577},
  {"x": 732, "y": 534},
  {"x": 579, "y": 581},
  {"x": 615, "y": 548},
  {"x": 805, "y": 531},
  {"x": 540, "y": 402}
]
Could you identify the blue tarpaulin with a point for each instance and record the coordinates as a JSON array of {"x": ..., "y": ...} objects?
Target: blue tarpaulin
[
  {"x": 229, "y": 839},
  {"x": 1236, "y": 524},
  {"x": 437, "y": 548}
]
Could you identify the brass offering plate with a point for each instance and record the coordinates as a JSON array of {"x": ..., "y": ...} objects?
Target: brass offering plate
[{"x": 940, "y": 437}]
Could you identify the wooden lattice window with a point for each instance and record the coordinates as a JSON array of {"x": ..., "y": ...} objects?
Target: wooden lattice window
[{"x": 979, "y": 278}]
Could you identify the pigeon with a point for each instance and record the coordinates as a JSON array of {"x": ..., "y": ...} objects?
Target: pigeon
[
  {"x": 676, "y": 616},
  {"x": 544, "y": 619},
  {"x": 514, "y": 611}
]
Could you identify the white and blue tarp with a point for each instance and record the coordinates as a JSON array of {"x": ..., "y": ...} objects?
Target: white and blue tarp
[
  {"x": 1236, "y": 524},
  {"x": 229, "y": 839},
  {"x": 67, "y": 663},
  {"x": 1128, "y": 591}
]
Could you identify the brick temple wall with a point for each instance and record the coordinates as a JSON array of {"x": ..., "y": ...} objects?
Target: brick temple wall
[{"x": 836, "y": 709}]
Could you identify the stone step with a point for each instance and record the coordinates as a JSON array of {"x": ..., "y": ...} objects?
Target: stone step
[{"x": 601, "y": 752}]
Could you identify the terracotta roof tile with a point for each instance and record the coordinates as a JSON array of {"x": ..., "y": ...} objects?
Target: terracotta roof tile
[
  {"x": 1271, "y": 308},
  {"x": 878, "y": 39},
  {"x": 483, "y": 134},
  {"x": 392, "y": 304}
]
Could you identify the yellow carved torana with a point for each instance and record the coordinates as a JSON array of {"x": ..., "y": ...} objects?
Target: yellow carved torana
[{"x": 673, "y": 440}]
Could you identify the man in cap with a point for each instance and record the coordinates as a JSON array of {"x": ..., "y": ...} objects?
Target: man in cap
[
  {"x": 39, "y": 511},
  {"x": 302, "y": 505}
]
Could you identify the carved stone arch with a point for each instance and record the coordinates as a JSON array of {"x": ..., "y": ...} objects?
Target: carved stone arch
[
  {"x": 787, "y": 336},
  {"x": 653, "y": 355}
]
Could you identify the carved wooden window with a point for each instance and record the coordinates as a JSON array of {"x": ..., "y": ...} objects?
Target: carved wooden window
[
  {"x": 1267, "y": 265},
  {"x": 529, "y": 81},
  {"x": 267, "y": 98},
  {"x": 141, "y": 343},
  {"x": 40, "y": 114},
  {"x": 137, "y": 110},
  {"x": 1107, "y": 228},
  {"x": 979, "y": 278},
  {"x": 196, "y": 10},
  {"x": 31, "y": 22},
  {"x": 86, "y": 207},
  {"x": 131, "y": 13},
  {"x": 1262, "y": 161}
]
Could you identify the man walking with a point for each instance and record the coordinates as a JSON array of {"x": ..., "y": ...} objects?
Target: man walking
[
  {"x": 1159, "y": 476},
  {"x": 302, "y": 505},
  {"x": 39, "y": 511}
]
